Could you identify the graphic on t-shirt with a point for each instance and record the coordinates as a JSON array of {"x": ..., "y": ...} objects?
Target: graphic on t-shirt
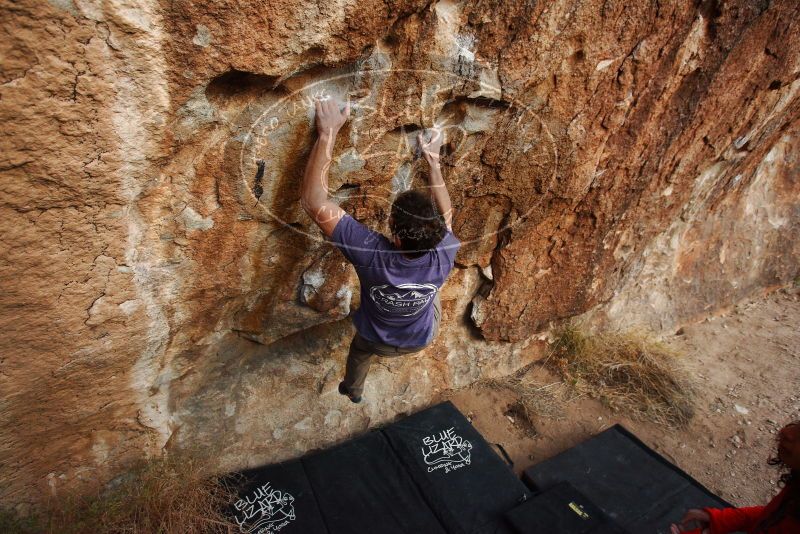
[
  {"x": 264, "y": 511},
  {"x": 446, "y": 450},
  {"x": 404, "y": 299}
]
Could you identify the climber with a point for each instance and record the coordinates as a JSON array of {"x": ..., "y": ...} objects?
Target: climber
[
  {"x": 400, "y": 277},
  {"x": 780, "y": 516}
]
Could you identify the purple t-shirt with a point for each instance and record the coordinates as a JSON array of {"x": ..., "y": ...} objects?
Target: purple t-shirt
[{"x": 396, "y": 292}]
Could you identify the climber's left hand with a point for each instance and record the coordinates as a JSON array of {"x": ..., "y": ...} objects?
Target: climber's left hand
[{"x": 329, "y": 118}]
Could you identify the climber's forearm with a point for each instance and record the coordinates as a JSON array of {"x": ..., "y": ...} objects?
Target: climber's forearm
[
  {"x": 314, "y": 196},
  {"x": 315, "y": 180},
  {"x": 439, "y": 192}
]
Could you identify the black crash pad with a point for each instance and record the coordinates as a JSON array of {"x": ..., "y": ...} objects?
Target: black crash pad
[
  {"x": 639, "y": 489},
  {"x": 561, "y": 509},
  {"x": 362, "y": 488},
  {"x": 276, "y": 498},
  {"x": 466, "y": 484}
]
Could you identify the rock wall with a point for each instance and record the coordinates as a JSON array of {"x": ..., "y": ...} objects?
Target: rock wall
[{"x": 626, "y": 163}]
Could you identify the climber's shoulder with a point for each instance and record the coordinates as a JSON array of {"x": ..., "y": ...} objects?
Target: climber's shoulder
[
  {"x": 449, "y": 244},
  {"x": 357, "y": 241}
]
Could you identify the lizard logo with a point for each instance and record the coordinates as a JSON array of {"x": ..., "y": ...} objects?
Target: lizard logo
[
  {"x": 446, "y": 450},
  {"x": 264, "y": 511}
]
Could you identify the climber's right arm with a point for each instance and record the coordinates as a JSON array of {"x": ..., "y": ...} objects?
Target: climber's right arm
[
  {"x": 314, "y": 197},
  {"x": 439, "y": 192}
]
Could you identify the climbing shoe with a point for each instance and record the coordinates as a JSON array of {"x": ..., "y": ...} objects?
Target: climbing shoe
[{"x": 343, "y": 390}]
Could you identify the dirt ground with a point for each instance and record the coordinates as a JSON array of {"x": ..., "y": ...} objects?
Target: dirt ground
[{"x": 746, "y": 367}]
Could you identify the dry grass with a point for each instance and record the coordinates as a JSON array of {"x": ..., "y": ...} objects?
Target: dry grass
[
  {"x": 173, "y": 494},
  {"x": 628, "y": 372},
  {"x": 532, "y": 398}
]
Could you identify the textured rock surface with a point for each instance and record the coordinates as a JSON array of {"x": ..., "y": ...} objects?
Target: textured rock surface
[{"x": 633, "y": 164}]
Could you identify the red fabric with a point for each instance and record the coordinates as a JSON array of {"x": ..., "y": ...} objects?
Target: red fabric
[
  {"x": 735, "y": 519},
  {"x": 726, "y": 520}
]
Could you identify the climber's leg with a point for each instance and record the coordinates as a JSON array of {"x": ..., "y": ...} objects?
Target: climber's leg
[
  {"x": 363, "y": 352},
  {"x": 359, "y": 360}
]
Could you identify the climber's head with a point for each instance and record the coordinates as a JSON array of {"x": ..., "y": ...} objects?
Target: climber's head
[
  {"x": 788, "y": 458},
  {"x": 416, "y": 224},
  {"x": 789, "y": 446}
]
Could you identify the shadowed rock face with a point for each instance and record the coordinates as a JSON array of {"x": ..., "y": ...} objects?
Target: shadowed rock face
[{"x": 629, "y": 164}]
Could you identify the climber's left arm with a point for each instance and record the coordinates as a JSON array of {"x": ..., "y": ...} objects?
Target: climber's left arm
[{"x": 314, "y": 197}]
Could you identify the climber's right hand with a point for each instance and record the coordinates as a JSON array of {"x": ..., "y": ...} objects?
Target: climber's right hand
[
  {"x": 329, "y": 119},
  {"x": 430, "y": 148}
]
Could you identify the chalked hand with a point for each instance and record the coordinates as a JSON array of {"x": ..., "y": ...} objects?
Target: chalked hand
[
  {"x": 430, "y": 141},
  {"x": 329, "y": 118}
]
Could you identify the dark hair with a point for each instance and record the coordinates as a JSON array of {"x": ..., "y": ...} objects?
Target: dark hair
[
  {"x": 416, "y": 222},
  {"x": 790, "y": 505}
]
